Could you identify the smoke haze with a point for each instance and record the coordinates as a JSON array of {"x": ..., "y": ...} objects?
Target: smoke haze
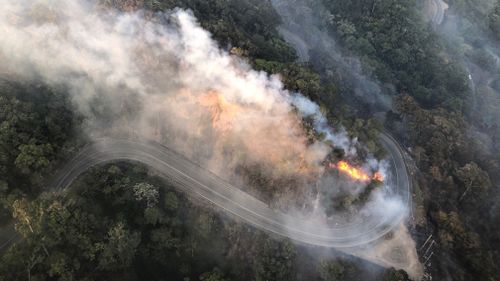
[
  {"x": 161, "y": 76},
  {"x": 164, "y": 74},
  {"x": 304, "y": 27}
]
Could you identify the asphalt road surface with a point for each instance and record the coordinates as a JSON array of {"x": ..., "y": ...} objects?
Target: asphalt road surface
[
  {"x": 439, "y": 9},
  {"x": 196, "y": 181}
]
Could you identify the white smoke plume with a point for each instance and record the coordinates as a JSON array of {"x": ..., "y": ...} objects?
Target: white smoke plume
[
  {"x": 162, "y": 76},
  {"x": 308, "y": 108},
  {"x": 162, "y": 73}
]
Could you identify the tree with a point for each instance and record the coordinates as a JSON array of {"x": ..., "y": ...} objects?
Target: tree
[
  {"x": 214, "y": 275},
  {"x": 205, "y": 224},
  {"x": 332, "y": 270},
  {"x": 337, "y": 270},
  {"x": 275, "y": 262},
  {"x": 494, "y": 21},
  {"x": 147, "y": 193},
  {"x": 474, "y": 179},
  {"x": 33, "y": 158},
  {"x": 171, "y": 202},
  {"x": 395, "y": 275},
  {"x": 4, "y": 210},
  {"x": 120, "y": 249}
]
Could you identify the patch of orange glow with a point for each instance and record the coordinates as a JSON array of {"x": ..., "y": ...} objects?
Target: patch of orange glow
[
  {"x": 356, "y": 174},
  {"x": 352, "y": 172},
  {"x": 222, "y": 111},
  {"x": 378, "y": 176}
]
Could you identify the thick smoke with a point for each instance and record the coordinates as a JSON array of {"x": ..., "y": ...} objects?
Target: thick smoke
[
  {"x": 307, "y": 108},
  {"x": 161, "y": 76}
]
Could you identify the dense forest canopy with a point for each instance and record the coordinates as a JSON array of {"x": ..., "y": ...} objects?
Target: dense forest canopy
[{"x": 122, "y": 221}]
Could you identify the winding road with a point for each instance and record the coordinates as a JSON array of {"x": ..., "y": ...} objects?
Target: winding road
[
  {"x": 196, "y": 181},
  {"x": 437, "y": 9}
]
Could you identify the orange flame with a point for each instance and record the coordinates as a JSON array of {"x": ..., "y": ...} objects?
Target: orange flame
[
  {"x": 356, "y": 173},
  {"x": 223, "y": 112},
  {"x": 352, "y": 172},
  {"x": 378, "y": 176}
]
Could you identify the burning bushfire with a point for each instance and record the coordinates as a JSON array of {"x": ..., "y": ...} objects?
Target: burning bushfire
[
  {"x": 356, "y": 174},
  {"x": 222, "y": 111},
  {"x": 223, "y": 114}
]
